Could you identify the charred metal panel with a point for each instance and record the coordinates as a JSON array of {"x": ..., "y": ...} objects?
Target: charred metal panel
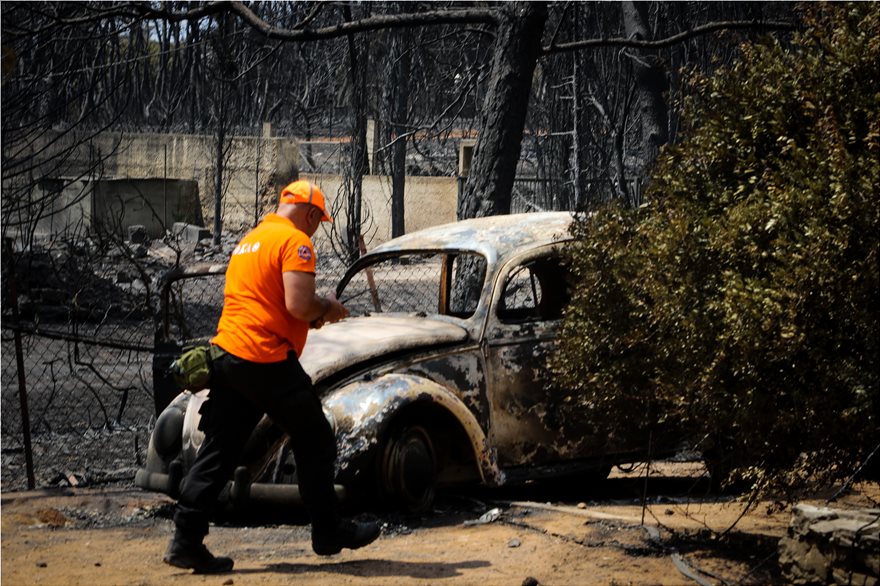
[
  {"x": 352, "y": 341},
  {"x": 463, "y": 373},
  {"x": 534, "y": 421},
  {"x": 192, "y": 435},
  {"x": 494, "y": 236},
  {"x": 522, "y": 428},
  {"x": 363, "y": 409},
  {"x": 530, "y": 423}
]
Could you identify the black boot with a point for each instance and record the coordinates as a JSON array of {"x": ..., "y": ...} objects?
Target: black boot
[
  {"x": 330, "y": 539},
  {"x": 193, "y": 555}
]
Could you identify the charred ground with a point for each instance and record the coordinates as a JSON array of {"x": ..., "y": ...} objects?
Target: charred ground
[{"x": 541, "y": 533}]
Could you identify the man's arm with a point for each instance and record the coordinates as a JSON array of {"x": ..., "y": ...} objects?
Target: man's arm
[{"x": 304, "y": 304}]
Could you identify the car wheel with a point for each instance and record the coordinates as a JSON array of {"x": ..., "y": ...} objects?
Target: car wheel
[{"x": 408, "y": 469}]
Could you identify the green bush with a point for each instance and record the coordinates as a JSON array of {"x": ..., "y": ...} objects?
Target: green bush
[{"x": 742, "y": 301}]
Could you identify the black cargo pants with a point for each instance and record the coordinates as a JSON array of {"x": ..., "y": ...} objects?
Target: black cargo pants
[{"x": 241, "y": 392}]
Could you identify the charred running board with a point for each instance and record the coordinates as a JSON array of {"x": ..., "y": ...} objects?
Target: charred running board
[{"x": 240, "y": 490}]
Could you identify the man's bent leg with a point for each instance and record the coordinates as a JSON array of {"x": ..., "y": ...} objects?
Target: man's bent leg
[
  {"x": 227, "y": 420},
  {"x": 295, "y": 407}
]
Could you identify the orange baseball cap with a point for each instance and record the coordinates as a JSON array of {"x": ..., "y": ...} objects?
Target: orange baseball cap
[{"x": 303, "y": 191}]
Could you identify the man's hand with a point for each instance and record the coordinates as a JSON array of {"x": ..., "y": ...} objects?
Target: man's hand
[{"x": 333, "y": 311}]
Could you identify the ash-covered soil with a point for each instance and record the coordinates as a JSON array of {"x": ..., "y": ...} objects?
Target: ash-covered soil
[{"x": 538, "y": 534}]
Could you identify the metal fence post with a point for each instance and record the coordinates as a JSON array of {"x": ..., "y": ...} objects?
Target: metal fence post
[{"x": 19, "y": 365}]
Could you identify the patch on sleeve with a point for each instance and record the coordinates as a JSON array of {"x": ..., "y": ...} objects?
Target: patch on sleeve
[{"x": 305, "y": 253}]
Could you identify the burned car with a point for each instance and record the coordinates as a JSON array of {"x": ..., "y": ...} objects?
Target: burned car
[{"x": 438, "y": 377}]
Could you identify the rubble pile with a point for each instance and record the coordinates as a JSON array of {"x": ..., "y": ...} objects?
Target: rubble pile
[
  {"x": 831, "y": 546},
  {"x": 93, "y": 279}
]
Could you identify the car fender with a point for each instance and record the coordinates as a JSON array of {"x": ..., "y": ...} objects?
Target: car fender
[
  {"x": 168, "y": 448},
  {"x": 361, "y": 412},
  {"x": 180, "y": 418}
]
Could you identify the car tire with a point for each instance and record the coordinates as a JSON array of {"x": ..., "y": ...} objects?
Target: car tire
[{"x": 408, "y": 469}]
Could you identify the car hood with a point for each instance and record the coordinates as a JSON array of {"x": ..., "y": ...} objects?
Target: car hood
[{"x": 346, "y": 343}]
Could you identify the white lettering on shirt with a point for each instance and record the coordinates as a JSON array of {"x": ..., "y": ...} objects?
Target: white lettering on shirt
[{"x": 246, "y": 247}]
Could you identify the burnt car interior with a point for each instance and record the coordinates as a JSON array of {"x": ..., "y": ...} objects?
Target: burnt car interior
[{"x": 537, "y": 290}]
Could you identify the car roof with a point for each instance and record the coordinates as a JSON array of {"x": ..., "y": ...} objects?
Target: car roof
[{"x": 493, "y": 236}]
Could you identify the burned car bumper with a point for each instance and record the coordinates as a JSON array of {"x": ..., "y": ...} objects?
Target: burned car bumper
[
  {"x": 173, "y": 445},
  {"x": 238, "y": 492}
]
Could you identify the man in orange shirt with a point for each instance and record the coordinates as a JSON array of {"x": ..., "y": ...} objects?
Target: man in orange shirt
[{"x": 269, "y": 305}]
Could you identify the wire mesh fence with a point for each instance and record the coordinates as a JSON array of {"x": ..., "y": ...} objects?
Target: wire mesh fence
[
  {"x": 191, "y": 305},
  {"x": 77, "y": 341},
  {"x": 535, "y": 194},
  {"x": 78, "y": 347},
  {"x": 419, "y": 283},
  {"x": 90, "y": 410}
]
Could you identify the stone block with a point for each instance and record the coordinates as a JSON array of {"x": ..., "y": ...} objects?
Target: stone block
[
  {"x": 184, "y": 232},
  {"x": 137, "y": 234}
]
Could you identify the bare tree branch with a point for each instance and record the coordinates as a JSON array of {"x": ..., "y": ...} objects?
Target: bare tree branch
[
  {"x": 668, "y": 41},
  {"x": 386, "y": 21}
]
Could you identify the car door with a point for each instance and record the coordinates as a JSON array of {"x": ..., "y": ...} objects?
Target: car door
[{"x": 528, "y": 412}]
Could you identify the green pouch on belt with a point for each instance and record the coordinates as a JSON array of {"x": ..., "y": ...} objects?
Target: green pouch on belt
[{"x": 192, "y": 370}]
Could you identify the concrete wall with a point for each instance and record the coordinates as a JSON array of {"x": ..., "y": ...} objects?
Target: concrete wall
[
  {"x": 155, "y": 204},
  {"x": 74, "y": 207},
  {"x": 66, "y": 209},
  {"x": 249, "y": 164},
  {"x": 134, "y": 167},
  {"x": 428, "y": 201}
]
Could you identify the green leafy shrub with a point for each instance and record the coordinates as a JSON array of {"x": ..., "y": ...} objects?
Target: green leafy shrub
[{"x": 742, "y": 301}]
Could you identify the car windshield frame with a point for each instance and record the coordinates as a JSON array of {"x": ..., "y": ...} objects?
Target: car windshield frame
[{"x": 447, "y": 257}]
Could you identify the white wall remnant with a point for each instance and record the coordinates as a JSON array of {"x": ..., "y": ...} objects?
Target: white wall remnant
[{"x": 148, "y": 171}]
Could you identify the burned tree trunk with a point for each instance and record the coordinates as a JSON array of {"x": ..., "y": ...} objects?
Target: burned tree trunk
[
  {"x": 358, "y": 56},
  {"x": 219, "y": 164},
  {"x": 222, "y": 103},
  {"x": 652, "y": 86},
  {"x": 400, "y": 55},
  {"x": 516, "y": 50}
]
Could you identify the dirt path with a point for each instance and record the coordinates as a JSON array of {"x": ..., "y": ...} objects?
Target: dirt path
[{"x": 117, "y": 535}]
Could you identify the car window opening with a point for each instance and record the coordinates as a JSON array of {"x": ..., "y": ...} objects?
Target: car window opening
[
  {"x": 535, "y": 291},
  {"x": 420, "y": 284}
]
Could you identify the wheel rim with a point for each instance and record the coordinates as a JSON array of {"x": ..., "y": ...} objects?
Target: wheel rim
[{"x": 410, "y": 472}]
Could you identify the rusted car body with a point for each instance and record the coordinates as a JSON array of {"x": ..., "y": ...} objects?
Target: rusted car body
[{"x": 439, "y": 377}]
